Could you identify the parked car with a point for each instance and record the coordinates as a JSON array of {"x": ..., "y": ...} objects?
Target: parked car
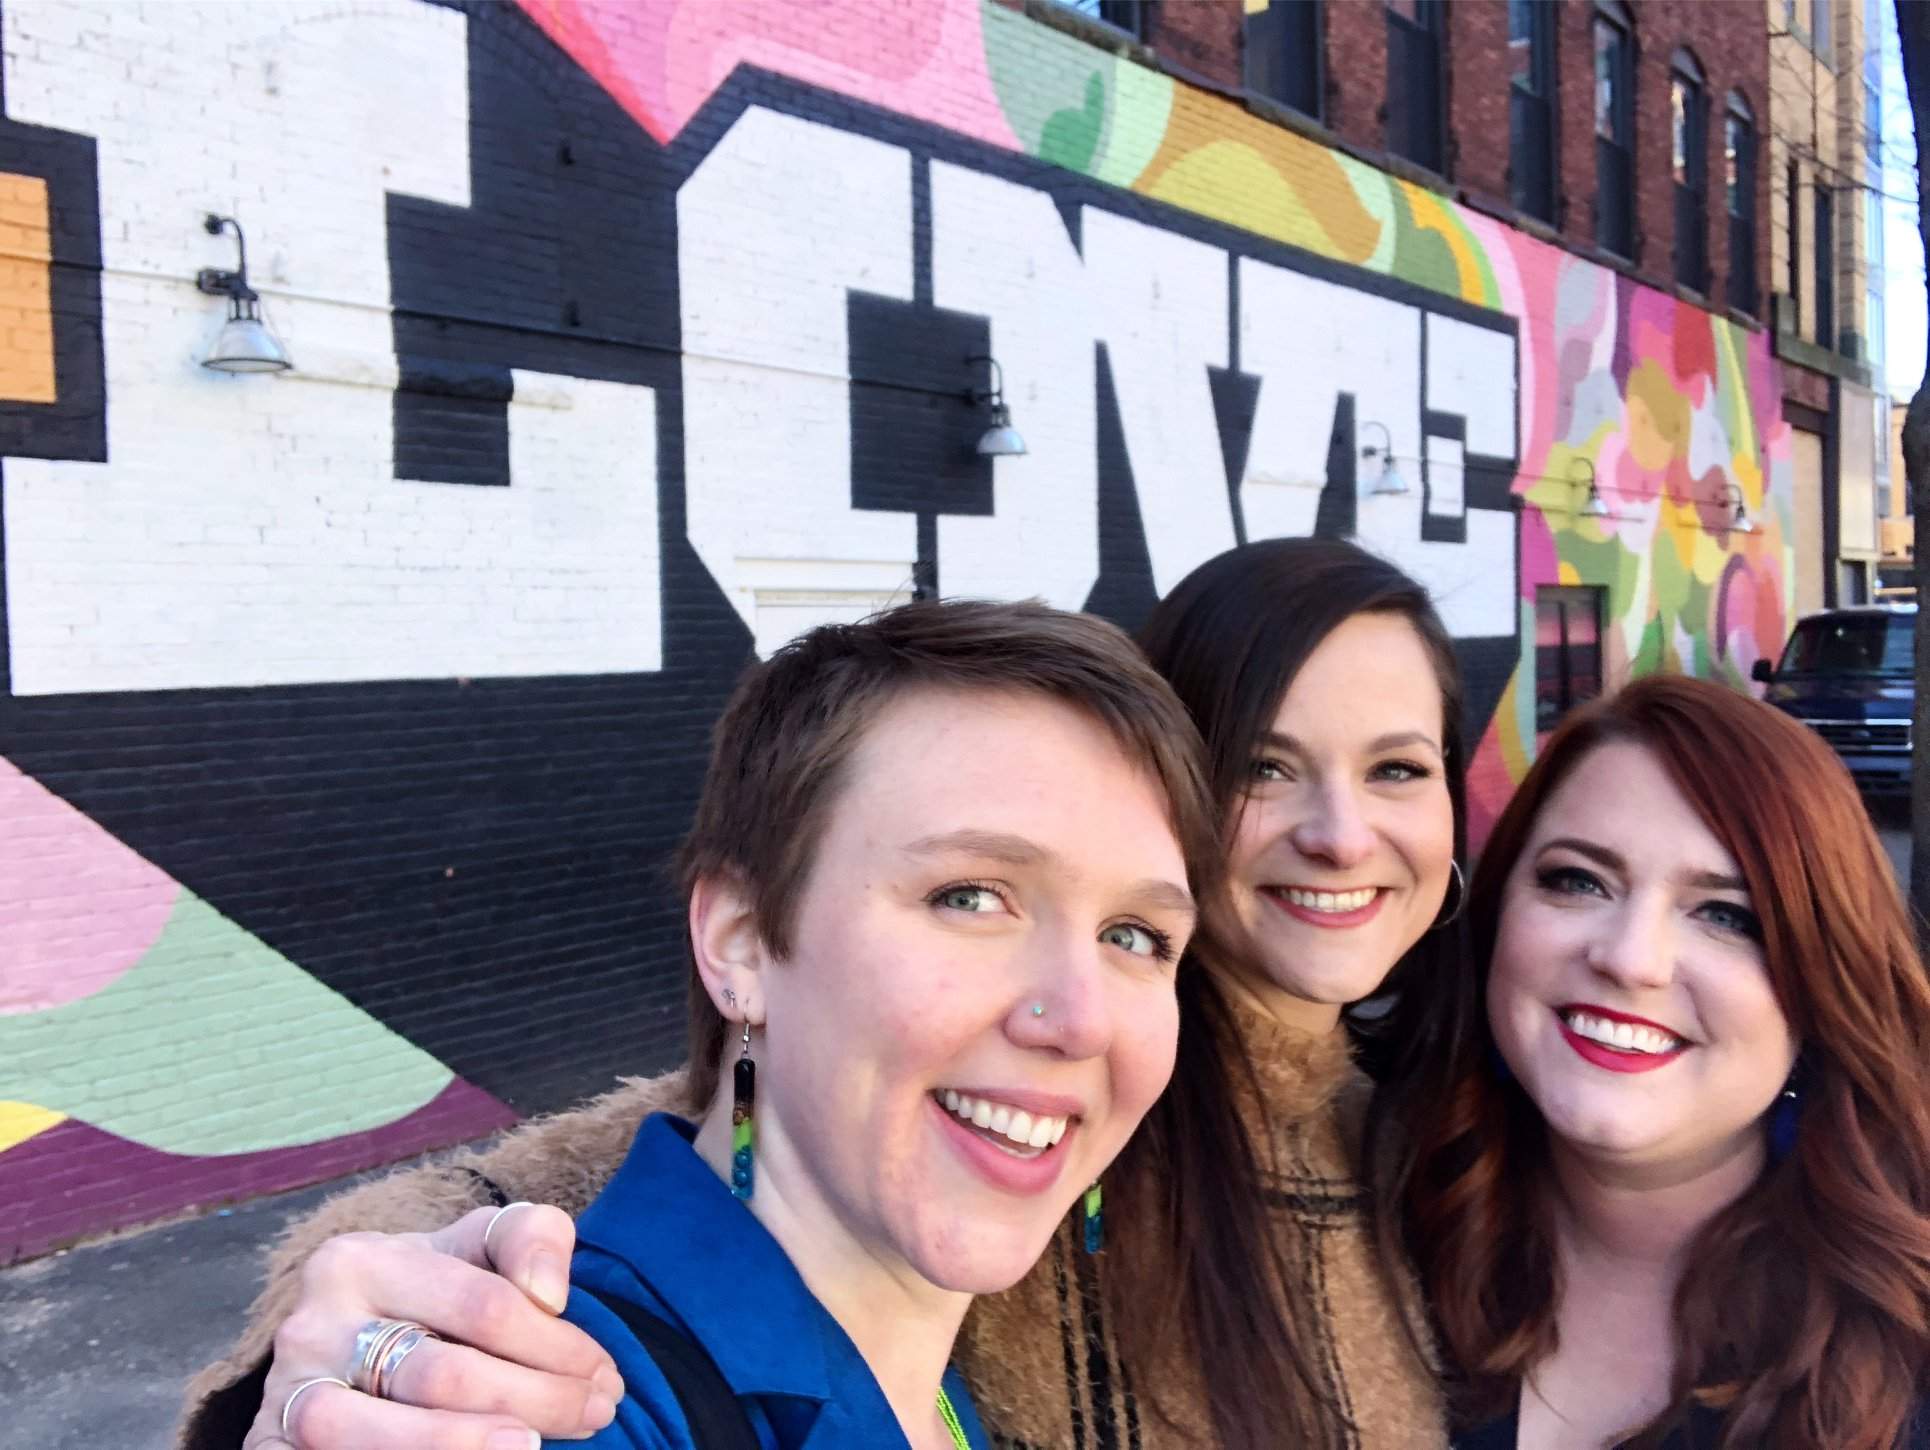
[{"x": 1849, "y": 674}]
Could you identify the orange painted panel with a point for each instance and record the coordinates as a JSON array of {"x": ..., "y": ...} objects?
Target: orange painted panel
[{"x": 26, "y": 302}]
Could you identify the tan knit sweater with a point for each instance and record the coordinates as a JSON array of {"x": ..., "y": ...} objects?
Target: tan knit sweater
[{"x": 1040, "y": 1358}]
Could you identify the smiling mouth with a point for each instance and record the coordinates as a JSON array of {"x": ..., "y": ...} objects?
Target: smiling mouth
[
  {"x": 1330, "y": 903},
  {"x": 1636, "y": 1039},
  {"x": 1022, "y": 1134}
]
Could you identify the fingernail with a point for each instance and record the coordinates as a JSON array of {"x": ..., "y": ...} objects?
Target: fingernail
[
  {"x": 598, "y": 1411},
  {"x": 549, "y": 1282},
  {"x": 514, "y": 1440},
  {"x": 608, "y": 1383}
]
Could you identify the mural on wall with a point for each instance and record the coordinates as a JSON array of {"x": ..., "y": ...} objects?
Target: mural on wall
[{"x": 370, "y": 699}]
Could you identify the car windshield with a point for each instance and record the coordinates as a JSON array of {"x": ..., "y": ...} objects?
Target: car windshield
[{"x": 1851, "y": 644}]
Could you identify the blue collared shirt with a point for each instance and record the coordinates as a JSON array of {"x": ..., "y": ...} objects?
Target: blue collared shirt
[{"x": 667, "y": 1235}]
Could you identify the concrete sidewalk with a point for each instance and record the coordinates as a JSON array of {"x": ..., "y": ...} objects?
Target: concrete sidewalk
[{"x": 95, "y": 1342}]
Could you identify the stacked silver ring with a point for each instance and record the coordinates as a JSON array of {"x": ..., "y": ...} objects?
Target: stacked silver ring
[{"x": 380, "y": 1348}]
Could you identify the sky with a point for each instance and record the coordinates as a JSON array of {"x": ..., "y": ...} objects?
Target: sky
[{"x": 1905, "y": 323}]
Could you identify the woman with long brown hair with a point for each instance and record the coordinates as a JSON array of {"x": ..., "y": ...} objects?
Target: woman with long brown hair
[
  {"x": 1672, "y": 1187},
  {"x": 1239, "y": 1299}
]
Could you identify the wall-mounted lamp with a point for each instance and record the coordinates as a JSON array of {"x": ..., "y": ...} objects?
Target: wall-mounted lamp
[
  {"x": 1390, "y": 482},
  {"x": 245, "y": 344},
  {"x": 1595, "y": 507},
  {"x": 1743, "y": 524},
  {"x": 1001, "y": 439}
]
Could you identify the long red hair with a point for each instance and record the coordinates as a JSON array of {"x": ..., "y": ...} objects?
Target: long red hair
[{"x": 1804, "y": 1314}]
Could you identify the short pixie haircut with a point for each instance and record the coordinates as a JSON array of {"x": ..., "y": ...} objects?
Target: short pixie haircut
[{"x": 781, "y": 749}]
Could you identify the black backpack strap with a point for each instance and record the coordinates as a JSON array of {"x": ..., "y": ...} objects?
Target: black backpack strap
[{"x": 716, "y": 1420}]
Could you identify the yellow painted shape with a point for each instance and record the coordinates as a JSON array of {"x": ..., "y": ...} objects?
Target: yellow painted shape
[
  {"x": 21, "y": 1121},
  {"x": 1568, "y": 573},
  {"x": 1252, "y": 174},
  {"x": 26, "y": 291},
  {"x": 1256, "y": 7},
  {"x": 1430, "y": 213}
]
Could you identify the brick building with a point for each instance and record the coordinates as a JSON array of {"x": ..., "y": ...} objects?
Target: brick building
[{"x": 351, "y": 712}]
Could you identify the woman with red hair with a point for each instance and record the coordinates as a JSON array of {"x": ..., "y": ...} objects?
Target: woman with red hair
[{"x": 1669, "y": 1181}]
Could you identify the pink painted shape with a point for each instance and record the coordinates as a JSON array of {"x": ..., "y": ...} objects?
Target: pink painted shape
[
  {"x": 77, "y": 907},
  {"x": 663, "y": 59}
]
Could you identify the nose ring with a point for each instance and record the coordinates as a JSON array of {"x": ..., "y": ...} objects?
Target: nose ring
[{"x": 1038, "y": 1009}]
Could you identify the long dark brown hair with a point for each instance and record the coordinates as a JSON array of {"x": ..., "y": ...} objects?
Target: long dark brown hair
[
  {"x": 1804, "y": 1314},
  {"x": 1197, "y": 1253}
]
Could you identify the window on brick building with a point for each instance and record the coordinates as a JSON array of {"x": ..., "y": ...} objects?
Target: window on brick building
[
  {"x": 1284, "y": 53},
  {"x": 1414, "y": 84},
  {"x": 1614, "y": 129},
  {"x": 1568, "y": 650},
  {"x": 1689, "y": 158},
  {"x": 1824, "y": 249},
  {"x": 1531, "y": 106},
  {"x": 1739, "y": 186},
  {"x": 1819, "y": 28},
  {"x": 1135, "y": 17},
  {"x": 1793, "y": 220}
]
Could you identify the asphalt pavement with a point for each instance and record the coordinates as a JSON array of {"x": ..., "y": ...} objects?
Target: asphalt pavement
[{"x": 96, "y": 1341}]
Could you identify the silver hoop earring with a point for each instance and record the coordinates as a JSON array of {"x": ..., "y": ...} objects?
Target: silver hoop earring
[{"x": 1460, "y": 897}]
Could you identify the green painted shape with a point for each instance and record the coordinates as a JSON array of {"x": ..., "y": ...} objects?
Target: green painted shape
[
  {"x": 1142, "y": 105},
  {"x": 1071, "y": 137},
  {"x": 1376, "y": 190},
  {"x": 1421, "y": 255},
  {"x": 1038, "y": 75},
  {"x": 215, "y": 1043}
]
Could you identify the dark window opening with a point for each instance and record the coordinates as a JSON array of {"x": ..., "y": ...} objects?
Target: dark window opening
[
  {"x": 1614, "y": 131},
  {"x": 1792, "y": 205},
  {"x": 1531, "y": 106},
  {"x": 1689, "y": 129},
  {"x": 1135, "y": 17},
  {"x": 1739, "y": 182},
  {"x": 1414, "y": 88},
  {"x": 1568, "y": 650},
  {"x": 1825, "y": 250},
  {"x": 1284, "y": 55}
]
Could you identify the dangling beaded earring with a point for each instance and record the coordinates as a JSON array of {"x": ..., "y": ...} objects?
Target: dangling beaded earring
[
  {"x": 1095, "y": 1219},
  {"x": 743, "y": 1132}
]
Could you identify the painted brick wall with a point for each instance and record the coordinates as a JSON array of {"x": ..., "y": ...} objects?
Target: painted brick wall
[{"x": 350, "y": 716}]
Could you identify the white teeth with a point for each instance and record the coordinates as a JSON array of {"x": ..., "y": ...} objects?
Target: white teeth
[
  {"x": 1334, "y": 901},
  {"x": 1020, "y": 1127},
  {"x": 1623, "y": 1036}
]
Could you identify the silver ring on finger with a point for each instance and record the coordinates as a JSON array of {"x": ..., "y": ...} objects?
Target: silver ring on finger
[
  {"x": 288, "y": 1405},
  {"x": 374, "y": 1343},
  {"x": 405, "y": 1345},
  {"x": 489, "y": 1258}
]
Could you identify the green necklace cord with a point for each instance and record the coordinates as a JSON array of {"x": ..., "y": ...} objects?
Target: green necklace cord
[{"x": 950, "y": 1417}]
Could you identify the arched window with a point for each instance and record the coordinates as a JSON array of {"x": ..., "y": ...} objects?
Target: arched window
[
  {"x": 1689, "y": 115},
  {"x": 1614, "y": 128},
  {"x": 1739, "y": 185}
]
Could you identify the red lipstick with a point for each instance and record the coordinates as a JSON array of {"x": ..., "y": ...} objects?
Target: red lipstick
[{"x": 1614, "y": 1059}]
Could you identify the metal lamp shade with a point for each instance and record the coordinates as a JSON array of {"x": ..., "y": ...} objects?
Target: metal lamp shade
[
  {"x": 245, "y": 345},
  {"x": 1001, "y": 440},
  {"x": 1389, "y": 483}
]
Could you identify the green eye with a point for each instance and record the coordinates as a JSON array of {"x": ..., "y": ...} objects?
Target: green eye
[
  {"x": 967, "y": 898},
  {"x": 1141, "y": 941}
]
